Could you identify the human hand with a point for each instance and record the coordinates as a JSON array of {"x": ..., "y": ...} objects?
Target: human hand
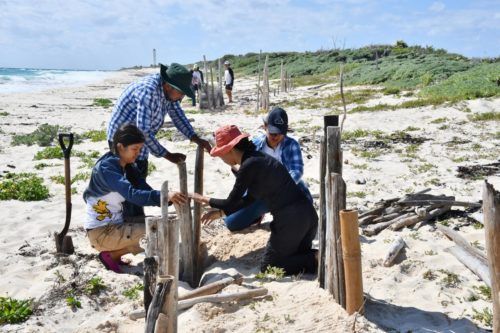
[
  {"x": 175, "y": 157},
  {"x": 202, "y": 142},
  {"x": 199, "y": 198},
  {"x": 177, "y": 198},
  {"x": 211, "y": 216}
]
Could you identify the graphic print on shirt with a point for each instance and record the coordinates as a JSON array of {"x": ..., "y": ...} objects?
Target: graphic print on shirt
[{"x": 101, "y": 208}]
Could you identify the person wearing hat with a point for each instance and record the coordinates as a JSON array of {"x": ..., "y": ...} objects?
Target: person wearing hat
[
  {"x": 263, "y": 178},
  {"x": 196, "y": 81},
  {"x": 146, "y": 103},
  {"x": 228, "y": 80},
  {"x": 276, "y": 143}
]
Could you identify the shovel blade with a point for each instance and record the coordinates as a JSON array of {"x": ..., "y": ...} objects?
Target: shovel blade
[{"x": 64, "y": 244}]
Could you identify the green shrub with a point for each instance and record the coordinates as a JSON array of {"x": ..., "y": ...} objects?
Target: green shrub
[
  {"x": 3, "y": 114},
  {"x": 43, "y": 136},
  {"x": 13, "y": 311},
  {"x": 95, "y": 285},
  {"x": 271, "y": 274},
  {"x": 72, "y": 301},
  {"x": 476, "y": 82},
  {"x": 49, "y": 153},
  {"x": 485, "y": 316},
  {"x": 23, "y": 187},
  {"x": 59, "y": 179},
  {"x": 133, "y": 292},
  {"x": 485, "y": 116},
  {"x": 95, "y": 135},
  {"x": 102, "y": 102}
]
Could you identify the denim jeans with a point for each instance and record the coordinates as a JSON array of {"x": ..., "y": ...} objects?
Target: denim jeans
[{"x": 244, "y": 217}]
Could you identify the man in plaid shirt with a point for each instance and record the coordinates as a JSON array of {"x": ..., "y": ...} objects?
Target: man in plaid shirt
[{"x": 147, "y": 102}]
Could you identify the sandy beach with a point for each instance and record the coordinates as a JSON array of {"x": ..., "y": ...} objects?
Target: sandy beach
[{"x": 399, "y": 298}]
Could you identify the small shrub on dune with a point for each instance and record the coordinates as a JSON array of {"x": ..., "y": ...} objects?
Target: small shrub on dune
[
  {"x": 43, "y": 136},
  {"x": 13, "y": 311},
  {"x": 102, "y": 102},
  {"x": 94, "y": 135},
  {"x": 23, "y": 187}
]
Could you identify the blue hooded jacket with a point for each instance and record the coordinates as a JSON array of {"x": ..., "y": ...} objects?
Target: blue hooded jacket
[{"x": 108, "y": 176}]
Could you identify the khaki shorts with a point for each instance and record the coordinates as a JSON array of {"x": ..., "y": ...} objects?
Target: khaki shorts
[{"x": 118, "y": 236}]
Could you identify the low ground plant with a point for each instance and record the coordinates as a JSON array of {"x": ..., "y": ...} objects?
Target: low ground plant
[{"x": 23, "y": 187}]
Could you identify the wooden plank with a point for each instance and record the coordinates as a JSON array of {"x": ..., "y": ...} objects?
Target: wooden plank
[
  {"x": 476, "y": 265},
  {"x": 491, "y": 210},
  {"x": 396, "y": 246},
  {"x": 150, "y": 272}
]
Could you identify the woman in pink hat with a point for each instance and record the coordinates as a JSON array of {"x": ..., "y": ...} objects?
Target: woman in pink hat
[{"x": 295, "y": 221}]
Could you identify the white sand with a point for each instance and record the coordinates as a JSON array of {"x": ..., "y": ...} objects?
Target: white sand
[{"x": 400, "y": 298}]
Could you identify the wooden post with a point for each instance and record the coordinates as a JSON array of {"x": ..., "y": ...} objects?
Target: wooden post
[
  {"x": 186, "y": 229},
  {"x": 214, "y": 102},
  {"x": 219, "y": 71},
  {"x": 322, "y": 214},
  {"x": 334, "y": 153},
  {"x": 265, "y": 97},
  {"x": 334, "y": 267},
  {"x": 150, "y": 272},
  {"x": 282, "y": 78},
  {"x": 257, "y": 109},
  {"x": 351, "y": 253},
  {"x": 209, "y": 98},
  {"x": 491, "y": 209},
  {"x": 328, "y": 121},
  {"x": 160, "y": 305},
  {"x": 197, "y": 209}
]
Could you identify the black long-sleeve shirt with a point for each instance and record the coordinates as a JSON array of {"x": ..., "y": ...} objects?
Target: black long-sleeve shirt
[{"x": 266, "y": 179}]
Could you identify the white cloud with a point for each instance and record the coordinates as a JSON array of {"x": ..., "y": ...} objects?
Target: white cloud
[{"x": 437, "y": 7}]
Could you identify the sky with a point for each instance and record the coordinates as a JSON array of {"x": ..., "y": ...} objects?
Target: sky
[{"x": 111, "y": 34}]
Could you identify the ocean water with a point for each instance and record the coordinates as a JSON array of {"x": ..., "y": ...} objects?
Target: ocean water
[{"x": 29, "y": 79}]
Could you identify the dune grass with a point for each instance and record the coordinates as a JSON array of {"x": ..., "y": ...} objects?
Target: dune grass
[
  {"x": 102, "y": 102},
  {"x": 43, "y": 136}
]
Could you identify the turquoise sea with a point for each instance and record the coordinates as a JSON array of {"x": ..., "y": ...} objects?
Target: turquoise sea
[{"x": 30, "y": 79}]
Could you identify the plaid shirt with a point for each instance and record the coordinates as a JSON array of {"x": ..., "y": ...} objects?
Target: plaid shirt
[
  {"x": 143, "y": 103},
  {"x": 291, "y": 158}
]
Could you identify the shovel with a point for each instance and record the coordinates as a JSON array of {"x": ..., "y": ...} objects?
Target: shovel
[{"x": 64, "y": 244}]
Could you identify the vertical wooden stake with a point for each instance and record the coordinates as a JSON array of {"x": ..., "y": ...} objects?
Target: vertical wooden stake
[
  {"x": 209, "y": 98},
  {"x": 197, "y": 209},
  {"x": 258, "y": 85},
  {"x": 161, "y": 305},
  {"x": 186, "y": 229},
  {"x": 214, "y": 102},
  {"x": 491, "y": 209},
  {"x": 322, "y": 213},
  {"x": 351, "y": 253}
]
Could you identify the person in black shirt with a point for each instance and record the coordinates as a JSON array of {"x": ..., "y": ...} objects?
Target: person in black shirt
[{"x": 295, "y": 220}]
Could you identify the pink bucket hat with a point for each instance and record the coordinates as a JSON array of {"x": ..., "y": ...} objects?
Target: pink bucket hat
[{"x": 226, "y": 137}]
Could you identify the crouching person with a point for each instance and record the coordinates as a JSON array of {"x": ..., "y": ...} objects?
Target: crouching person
[
  {"x": 115, "y": 180},
  {"x": 263, "y": 178}
]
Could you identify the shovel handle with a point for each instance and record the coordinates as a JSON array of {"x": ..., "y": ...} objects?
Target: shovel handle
[{"x": 66, "y": 150}]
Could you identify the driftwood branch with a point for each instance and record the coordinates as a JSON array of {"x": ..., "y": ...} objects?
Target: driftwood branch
[
  {"x": 393, "y": 252},
  {"x": 211, "y": 288},
  {"x": 221, "y": 298}
]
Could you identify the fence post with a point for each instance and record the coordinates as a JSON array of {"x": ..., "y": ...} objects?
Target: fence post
[
  {"x": 197, "y": 209},
  {"x": 491, "y": 209},
  {"x": 186, "y": 229}
]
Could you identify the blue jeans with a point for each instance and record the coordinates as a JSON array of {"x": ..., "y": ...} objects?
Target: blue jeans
[{"x": 244, "y": 217}]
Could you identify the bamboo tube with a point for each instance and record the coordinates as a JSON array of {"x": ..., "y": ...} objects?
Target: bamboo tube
[{"x": 351, "y": 252}]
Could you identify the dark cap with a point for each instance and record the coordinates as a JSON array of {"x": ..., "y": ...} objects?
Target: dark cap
[
  {"x": 277, "y": 121},
  {"x": 178, "y": 77}
]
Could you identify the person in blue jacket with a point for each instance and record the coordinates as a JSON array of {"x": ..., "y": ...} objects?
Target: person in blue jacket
[
  {"x": 115, "y": 180},
  {"x": 276, "y": 143}
]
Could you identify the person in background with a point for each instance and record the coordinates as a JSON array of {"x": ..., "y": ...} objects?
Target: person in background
[
  {"x": 276, "y": 143},
  {"x": 114, "y": 181},
  {"x": 263, "y": 178},
  {"x": 146, "y": 103},
  {"x": 196, "y": 82},
  {"x": 228, "y": 80}
]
